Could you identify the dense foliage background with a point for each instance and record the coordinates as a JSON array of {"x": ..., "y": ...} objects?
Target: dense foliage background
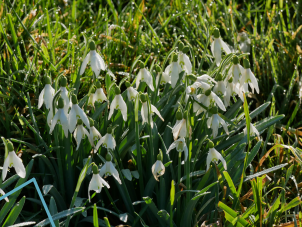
[{"x": 55, "y": 41}]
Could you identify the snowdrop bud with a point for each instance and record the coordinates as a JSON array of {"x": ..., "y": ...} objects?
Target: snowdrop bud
[
  {"x": 127, "y": 84},
  {"x": 98, "y": 84},
  {"x": 186, "y": 49},
  {"x": 216, "y": 33},
  {"x": 92, "y": 45},
  {"x": 74, "y": 99},
  {"x": 235, "y": 60},
  {"x": 219, "y": 77},
  {"x": 175, "y": 58},
  {"x": 192, "y": 77},
  {"x": 246, "y": 63},
  {"x": 230, "y": 80},
  {"x": 80, "y": 122},
  {"x": 10, "y": 146},
  {"x": 117, "y": 90},
  {"x": 91, "y": 122},
  {"x": 141, "y": 64},
  {"x": 178, "y": 115},
  {"x": 109, "y": 130},
  {"x": 61, "y": 103},
  {"x": 108, "y": 157},
  {"x": 93, "y": 90},
  {"x": 211, "y": 144},
  {"x": 143, "y": 98},
  {"x": 95, "y": 169},
  {"x": 208, "y": 92},
  {"x": 47, "y": 80},
  {"x": 63, "y": 82},
  {"x": 181, "y": 46},
  {"x": 157, "y": 68},
  {"x": 160, "y": 155}
]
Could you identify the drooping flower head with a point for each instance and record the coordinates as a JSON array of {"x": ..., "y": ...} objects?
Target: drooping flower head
[
  {"x": 180, "y": 127},
  {"x": 230, "y": 91},
  {"x": 180, "y": 146},
  {"x": 97, "y": 182},
  {"x": 94, "y": 134},
  {"x": 99, "y": 94},
  {"x": 215, "y": 122},
  {"x": 235, "y": 70},
  {"x": 248, "y": 78},
  {"x": 91, "y": 99},
  {"x": 144, "y": 111},
  {"x": 220, "y": 88},
  {"x": 253, "y": 131},
  {"x": 158, "y": 168},
  {"x": 217, "y": 45},
  {"x": 131, "y": 92},
  {"x": 108, "y": 169},
  {"x": 107, "y": 141},
  {"x": 47, "y": 94},
  {"x": 64, "y": 94},
  {"x": 76, "y": 113},
  {"x": 60, "y": 118},
  {"x": 165, "y": 78},
  {"x": 12, "y": 160},
  {"x": 96, "y": 61},
  {"x": 145, "y": 76},
  {"x": 80, "y": 132},
  {"x": 183, "y": 59},
  {"x": 214, "y": 156},
  {"x": 118, "y": 103},
  {"x": 174, "y": 70}
]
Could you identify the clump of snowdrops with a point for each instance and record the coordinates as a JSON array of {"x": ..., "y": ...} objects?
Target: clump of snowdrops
[{"x": 156, "y": 148}]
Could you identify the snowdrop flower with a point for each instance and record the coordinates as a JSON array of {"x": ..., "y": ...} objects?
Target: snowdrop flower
[
  {"x": 206, "y": 79},
  {"x": 235, "y": 70},
  {"x": 165, "y": 77},
  {"x": 94, "y": 134},
  {"x": 192, "y": 89},
  {"x": 174, "y": 70},
  {"x": 99, "y": 94},
  {"x": 107, "y": 140},
  {"x": 180, "y": 146},
  {"x": 244, "y": 42},
  {"x": 144, "y": 111},
  {"x": 96, "y": 61},
  {"x": 50, "y": 115},
  {"x": 253, "y": 131},
  {"x": 119, "y": 104},
  {"x": 64, "y": 94},
  {"x": 214, "y": 156},
  {"x": 79, "y": 133},
  {"x": 183, "y": 59},
  {"x": 208, "y": 99},
  {"x": 158, "y": 168},
  {"x": 180, "y": 127},
  {"x": 144, "y": 75},
  {"x": 230, "y": 91},
  {"x": 215, "y": 121},
  {"x": 131, "y": 92},
  {"x": 76, "y": 113},
  {"x": 60, "y": 118},
  {"x": 248, "y": 78},
  {"x": 46, "y": 95},
  {"x": 220, "y": 88},
  {"x": 108, "y": 169},
  {"x": 12, "y": 160},
  {"x": 3, "y": 193},
  {"x": 91, "y": 99},
  {"x": 217, "y": 45},
  {"x": 97, "y": 182}
]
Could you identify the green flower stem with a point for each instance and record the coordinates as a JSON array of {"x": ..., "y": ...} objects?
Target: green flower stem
[
  {"x": 139, "y": 159},
  {"x": 178, "y": 180},
  {"x": 111, "y": 200},
  {"x": 60, "y": 164},
  {"x": 150, "y": 132}
]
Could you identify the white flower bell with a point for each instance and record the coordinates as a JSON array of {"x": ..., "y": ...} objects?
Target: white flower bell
[
  {"x": 131, "y": 92},
  {"x": 235, "y": 70},
  {"x": 118, "y": 103},
  {"x": 206, "y": 79},
  {"x": 96, "y": 61},
  {"x": 91, "y": 99},
  {"x": 107, "y": 141},
  {"x": 3, "y": 193},
  {"x": 174, "y": 70},
  {"x": 220, "y": 88},
  {"x": 248, "y": 78},
  {"x": 144, "y": 111},
  {"x": 97, "y": 182},
  {"x": 80, "y": 132},
  {"x": 217, "y": 45},
  {"x": 60, "y": 118},
  {"x": 94, "y": 134},
  {"x": 208, "y": 99},
  {"x": 180, "y": 146},
  {"x": 230, "y": 91},
  {"x": 144, "y": 75},
  {"x": 215, "y": 121},
  {"x": 99, "y": 94},
  {"x": 64, "y": 94},
  {"x": 183, "y": 59},
  {"x": 12, "y": 160},
  {"x": 46, "y": 95},
  {"x": 180, "y": 127},
  {"x": 76, "y": 113},
  {"x": 244, "y": 42},
  {"x": 253, "y": 131},
  {"x": 158, "y": 168},
  {"x": 108, "y": 169},
  {"x": 165, "y": 77},
  {"x": 214, "y": 156}
]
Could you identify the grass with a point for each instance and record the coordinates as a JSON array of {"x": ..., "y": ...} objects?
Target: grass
[{"x": 54, "y": 42}]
